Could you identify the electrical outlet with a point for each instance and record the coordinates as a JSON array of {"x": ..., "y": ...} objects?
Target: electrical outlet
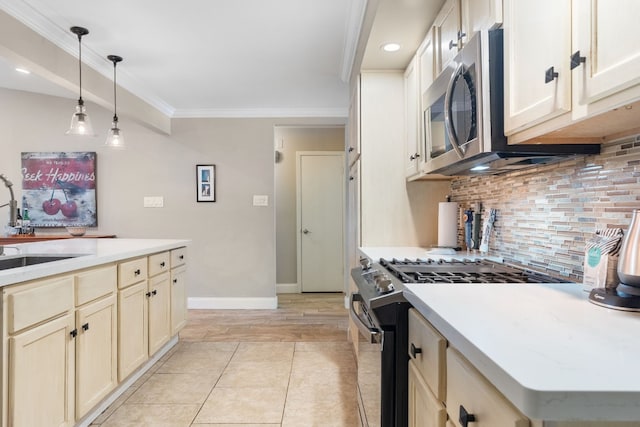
[
  {"x": 260, "y": 200},
  {"x": 153, "y": 201}
]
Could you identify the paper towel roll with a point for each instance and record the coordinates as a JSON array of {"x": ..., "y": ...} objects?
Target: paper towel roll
[{"x": 448, "y": 224}]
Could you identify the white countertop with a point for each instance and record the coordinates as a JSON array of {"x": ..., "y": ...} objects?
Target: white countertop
[
  {"x": 86, "y": 252},
  {"x": 553, "y": 354}
]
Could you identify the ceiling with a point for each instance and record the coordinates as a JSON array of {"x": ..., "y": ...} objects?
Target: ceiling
[{"x": 220, "y": 58}]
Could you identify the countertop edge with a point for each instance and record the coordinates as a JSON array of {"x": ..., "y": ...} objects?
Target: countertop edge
[
  {"x": 536, "y": 404},
  {"x": 118, "y": 249}
]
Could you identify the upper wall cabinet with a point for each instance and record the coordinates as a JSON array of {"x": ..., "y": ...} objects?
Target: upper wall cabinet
[
  {"x": 449, "y": 35},
  {"x": 480, "y": 15},
  {"x": 537, "y": 46},
  {"x": 556, "y": 78}
]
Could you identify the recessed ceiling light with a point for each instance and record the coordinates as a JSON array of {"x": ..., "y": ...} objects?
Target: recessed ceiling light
[
  {"x": 391, "y": 47},
  {"x": 23, "y": 71}
]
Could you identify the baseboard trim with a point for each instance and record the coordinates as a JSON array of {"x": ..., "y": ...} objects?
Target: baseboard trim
[
  {"x": 287, "y": 288},
  {"x": 211, "y": 303}
]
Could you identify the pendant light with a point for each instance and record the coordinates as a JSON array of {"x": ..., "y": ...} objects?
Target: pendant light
[
  {"x": 80, "y": 123},
  {"x": 115, "y": 139}
]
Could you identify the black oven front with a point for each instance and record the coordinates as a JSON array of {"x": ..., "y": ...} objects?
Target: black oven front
[{"x": 382, "y": 361}]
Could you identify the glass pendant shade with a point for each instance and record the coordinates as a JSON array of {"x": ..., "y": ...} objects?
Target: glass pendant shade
[
  {"x": 115, "y": 139},
  {"x": 80, "y": 122}
]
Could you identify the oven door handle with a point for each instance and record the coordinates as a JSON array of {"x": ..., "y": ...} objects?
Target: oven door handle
[{"x": 371, "y": 333}]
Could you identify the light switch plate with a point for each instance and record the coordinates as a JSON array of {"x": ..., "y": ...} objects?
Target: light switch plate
[
  {"x": 153, "y": 201},
  {"x": 260, "y": 200}
]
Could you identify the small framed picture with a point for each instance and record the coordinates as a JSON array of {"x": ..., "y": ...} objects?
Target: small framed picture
[{"x": 206, "y": 183}]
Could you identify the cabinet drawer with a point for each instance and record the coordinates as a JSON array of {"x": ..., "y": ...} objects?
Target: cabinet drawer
[
  {"x": 159, "y": 263},
  {"x": 93, "y": 284},
  {"x": 427, "y": 349},
  {"x": 467, "y": 388},
  {"x": 131, "y": 272},
  {"x": 39, "y": 302},
  {"x": 178, "y": 257},
  {"x": 424, "y": 408}
]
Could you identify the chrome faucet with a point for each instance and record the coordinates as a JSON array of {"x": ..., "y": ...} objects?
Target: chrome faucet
[{"x": 13, "y": 204}]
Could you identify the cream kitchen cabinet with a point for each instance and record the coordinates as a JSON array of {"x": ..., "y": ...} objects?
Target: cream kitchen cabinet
[
  {"x": 145, "y": 310},
  {"x": 413, "y": 152},
  {"x": 62, "y": 355},
  {"x": 448, "y": 33},
  {"x": 424, "y": 409},
  {"x": 472, "y": 400},
  {"x": 178, "y": 290},
  {"x": 480, "y": 15},
  {"x": 567, "y": 83},
  {"x": 537, "y": 73}
]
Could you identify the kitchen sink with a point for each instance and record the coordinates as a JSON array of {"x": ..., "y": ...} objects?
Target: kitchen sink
[{"x": 26, "y": 260}]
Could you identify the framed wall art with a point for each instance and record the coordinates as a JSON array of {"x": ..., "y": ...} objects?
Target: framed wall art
[
  {"x": 206, "y": 183},
  {"x": 59, "y": 188}
]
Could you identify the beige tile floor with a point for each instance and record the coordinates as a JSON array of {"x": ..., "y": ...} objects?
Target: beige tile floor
[{"x": 289, "y": 367}]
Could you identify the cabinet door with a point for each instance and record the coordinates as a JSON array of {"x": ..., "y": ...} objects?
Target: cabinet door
[
  {"x": 411, "y": 119},
  {"x": 537, "y": 37},
  {"x": 468, "y": 389},
  {"x": 480, "y": 15},
  {"x": 607, "y": 36},
  {"x": 448, "y": 29},
  {"x": 133, "y": 328},
  {"x": 178, "y": 299},
  {"x": 96, "y": 353},
  {"x": 41, "y": 372},
  {"x": 427, "y": 350},
  {"x": 159, "y": 312},
  {"x": 424, "y": 409}
]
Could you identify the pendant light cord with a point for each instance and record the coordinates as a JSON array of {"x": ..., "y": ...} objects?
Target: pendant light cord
[
  {"x": 115, "y": 103},
  {"x": 80, "y": 101}
]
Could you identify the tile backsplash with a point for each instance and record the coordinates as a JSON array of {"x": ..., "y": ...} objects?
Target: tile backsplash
[{"x": 545, "y": 214}]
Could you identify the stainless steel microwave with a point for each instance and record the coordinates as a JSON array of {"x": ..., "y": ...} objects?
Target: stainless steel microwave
[{"x": 463, "y": 117}]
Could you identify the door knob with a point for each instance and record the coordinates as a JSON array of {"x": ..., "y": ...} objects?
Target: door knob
[{"x": 305, "y": 231}]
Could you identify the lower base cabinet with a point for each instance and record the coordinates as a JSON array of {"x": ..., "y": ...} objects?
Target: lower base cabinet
[
  {"x": 41, "y": 375},
  {"x": 424, "y": 409},
  {"x": 159, "y": 294},
  {"x": 96, "y": 353},
  {"x": 132, "y": 329}
]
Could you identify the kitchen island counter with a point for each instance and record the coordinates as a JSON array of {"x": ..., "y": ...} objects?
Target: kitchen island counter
[
  {"x": 85, "y": 253},
  {"x": 553, "y": 354}
]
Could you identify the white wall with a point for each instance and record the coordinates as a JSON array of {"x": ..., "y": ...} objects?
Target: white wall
[{"x": 232, "y": 254}]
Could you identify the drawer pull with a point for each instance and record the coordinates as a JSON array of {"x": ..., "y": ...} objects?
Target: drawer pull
[
  {"x": 415, "y": 350},
  {"x": 137, "y": 272},
  {"x": 162, "y": 264},
  {"x": 181, "y": 257},
  {"x": 73, "y": 333},
  {"x": 85, "y": 327},
  {"x": 154, "y": 292},
  {"x": 175, "y": 281},
  {"x": 148, "y": 294},
  {"x": 576, "y": 59},
  {"x": 465, "y": 417}
]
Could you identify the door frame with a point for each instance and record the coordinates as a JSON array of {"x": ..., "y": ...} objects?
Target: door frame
[{"x": 299, "y": 155}]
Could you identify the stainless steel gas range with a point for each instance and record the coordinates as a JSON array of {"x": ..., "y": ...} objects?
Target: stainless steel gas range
[{"x": 379, "y": 309}]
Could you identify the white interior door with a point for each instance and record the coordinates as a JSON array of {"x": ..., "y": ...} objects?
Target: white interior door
[{"x": 320, "y": 177}]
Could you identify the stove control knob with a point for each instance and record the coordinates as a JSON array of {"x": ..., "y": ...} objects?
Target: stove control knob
[
  {"x": 365, "y": 263},
  {"x": 383, "y": 284}
]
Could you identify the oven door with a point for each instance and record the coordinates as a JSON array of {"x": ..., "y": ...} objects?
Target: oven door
[{"x": 369, "y": 362}]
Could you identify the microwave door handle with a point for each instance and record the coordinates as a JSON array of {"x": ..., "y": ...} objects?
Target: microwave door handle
[
  {"x": 372, "y": 334},
  {"x": 448, "y": 117}
]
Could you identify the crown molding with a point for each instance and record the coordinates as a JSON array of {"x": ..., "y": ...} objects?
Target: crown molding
[
  {"x": 355, "y": 18},
  {"x": 260, "y": 113}
]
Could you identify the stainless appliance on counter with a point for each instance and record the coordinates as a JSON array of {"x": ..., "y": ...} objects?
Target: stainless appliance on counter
[
  {"x": 464, "y": 117},
  {"x": 380, "y": 311}
]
